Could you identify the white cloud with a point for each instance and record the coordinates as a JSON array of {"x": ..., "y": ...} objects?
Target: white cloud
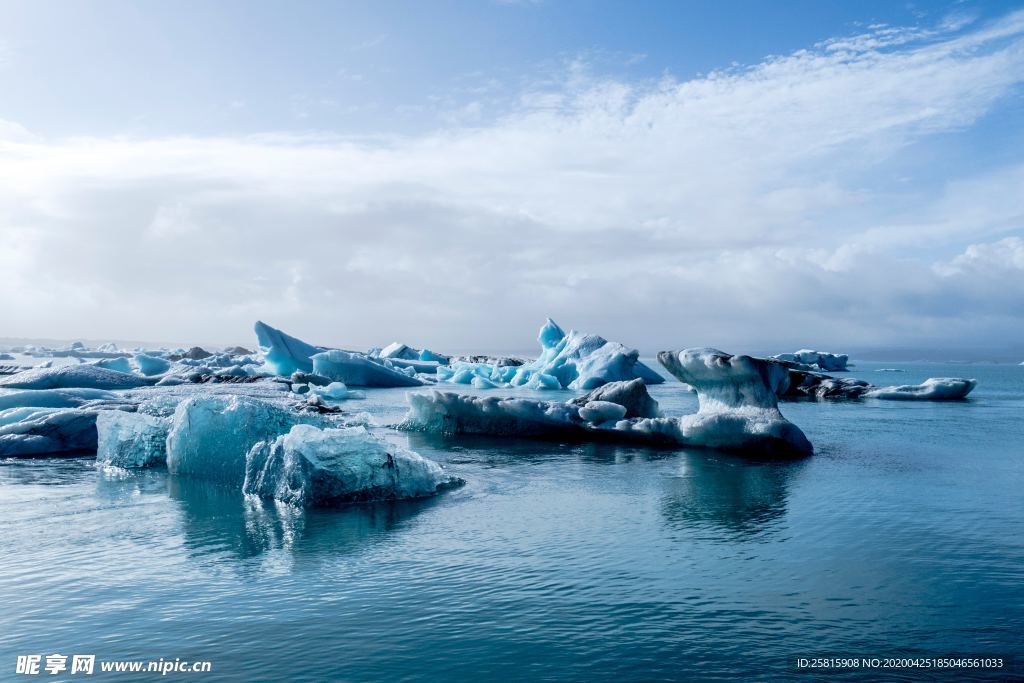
[{"x": 730, "y": 210}]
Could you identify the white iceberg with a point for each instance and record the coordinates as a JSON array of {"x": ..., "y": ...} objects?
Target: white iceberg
[
  {"x": 283, "y": 353},
  {"x": 130, "y": 440},
  {"x": 310, "y": 466},
  {"x": 72, "y": 376},
  {"x": 932, "y": 389},
  {"x": 210, "y": 435},
  {"x": 820, "y": 360},
  {"x": 31, "y": 431},
  {"x": 335, "y": 391},
  {"x": 360, "y": 370},
  {"x": 737, "y": 398},
  {"x": 738, "y": 410}
]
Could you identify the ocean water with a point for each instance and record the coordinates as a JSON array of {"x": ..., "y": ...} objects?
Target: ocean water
[{"x": 902, "y": 536}]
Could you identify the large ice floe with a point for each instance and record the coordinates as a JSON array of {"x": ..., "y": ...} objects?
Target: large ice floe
[
  {"x": 737, "y": 397},
  {"x": 360, "y": 370},
  {"x": 210, "y": 435},
  {"x": 933, "y": 389},
  {"x": 816, "y": 360},
  {"x": 572, "y": 360},
  {"x": 311, "y": 466},
  {"x": 73, "y": 376}
]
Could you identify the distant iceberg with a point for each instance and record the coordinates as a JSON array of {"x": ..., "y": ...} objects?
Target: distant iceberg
[
  {"x": 359, "y": 370},
  {"x": 738, "y": 410},
  {"x": 932, "y": 389},
  {"x": 311, "y": 466},
  {"x": 817, "y": 360},
  {"x": 72, "y": 376},
  {"x": 572, "y": 360},
  {"x": 283, "y": 353}
]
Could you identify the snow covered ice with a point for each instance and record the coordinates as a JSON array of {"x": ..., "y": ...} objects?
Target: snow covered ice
[{"x": 311, "y": 466}]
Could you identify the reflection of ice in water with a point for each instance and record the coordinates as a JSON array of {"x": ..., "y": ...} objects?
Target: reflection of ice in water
[
  {"x": 221, "y": 520},
  {"x": 720, "y": 497}
]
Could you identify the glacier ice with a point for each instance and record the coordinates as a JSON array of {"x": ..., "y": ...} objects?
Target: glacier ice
[
  {"x": 311, "y": 466},
  {"x": 932, "y": 389},
  {"x": 31, "y": 431},
  {"x": 210, "y": 435},
  {"x": 53, "y": 398},
  {"x": 816, "y": 360},
  {"x": 335, "y": 391},
  {"x": 398, "y": 350},
  {"x": 121, "y": 364},
  {"x": 72, "y": 376},
  {"x": 360, "y": 370},
  {"x": 737, "y": 397},
  {"x": 152, "y": 365},
  {"x": 572, "y": 360},
  {"x": 283, "y": 353},
  {"x": 130, "y": 440}
]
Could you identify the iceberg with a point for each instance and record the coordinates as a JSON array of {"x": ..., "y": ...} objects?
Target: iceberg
[
  {"x": 130, "y": 440},
  {"x": 210, "y": 435},
  {"x": 737, "y": 399},
  {"x": 311, "y": 466},
  {"x": 572, "y": 360},
  {"x": 72, "y": 376},
  {"x": 335, "y": 391},
  {"x": 121, "y": 364},
  {"x": 738, "y": 410},
  {"x": 816, "y": 360},
  {"x": 33, "y": 431},
  {"x": 53, "y": 398},
  {"x": 932, "y": 389},
  {"x": 360, "y": 370},
  {"x": 283, "y": 353},
  {"x": 151, "y": 365},
  {"x": 397, "y": 350}
]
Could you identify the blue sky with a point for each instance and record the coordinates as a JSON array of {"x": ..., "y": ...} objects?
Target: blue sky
[{"x": 750, "y": 175}]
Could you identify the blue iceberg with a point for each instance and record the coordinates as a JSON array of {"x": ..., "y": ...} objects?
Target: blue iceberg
[
  {"x": 283, "y": 353},
  {"x": 130, "y": 440},
  {"x": 360, "y": 370}
]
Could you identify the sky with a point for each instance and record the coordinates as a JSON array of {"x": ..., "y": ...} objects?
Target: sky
[{"x": 753, "y": 176}]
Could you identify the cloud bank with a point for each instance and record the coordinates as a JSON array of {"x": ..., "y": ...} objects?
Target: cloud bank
[{"x": 792, "y": 202}]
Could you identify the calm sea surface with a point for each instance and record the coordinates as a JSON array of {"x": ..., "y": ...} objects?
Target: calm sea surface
[{"x": 903, "y": 535}]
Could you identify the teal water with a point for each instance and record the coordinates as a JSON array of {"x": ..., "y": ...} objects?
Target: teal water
[{"x": 903, "y": 535}]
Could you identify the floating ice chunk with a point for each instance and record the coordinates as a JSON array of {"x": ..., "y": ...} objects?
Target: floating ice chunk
[
  {"x": 602, "y": 411},
  {"x": 283, "y": 353},
  {"x": 570, "y": 360},
  {"x": 336, "y": 391},
  {"x": 45, "y": 431},
  {"x": 631, "y": 395},
  {"x": 737, "y": 398},
  {"x": 310, "y": 466},
  {"x": 210, "y": 435},
  {"x": 6, "y": 356},
  {"x": 72, "y": 376},
  {"x": 130, "y": 439},
  {"x": 932, "y": 389},
  {"x": 151, "y": 365},
  {"x": 440, "y": 359},
  {"x": 121, "y": 364},
  {"x": 821, "y": 360},
  {"x": 53, "y": 398},
  {"x": 401, "y": 351},
  {"x": 360, "y": 370}
]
